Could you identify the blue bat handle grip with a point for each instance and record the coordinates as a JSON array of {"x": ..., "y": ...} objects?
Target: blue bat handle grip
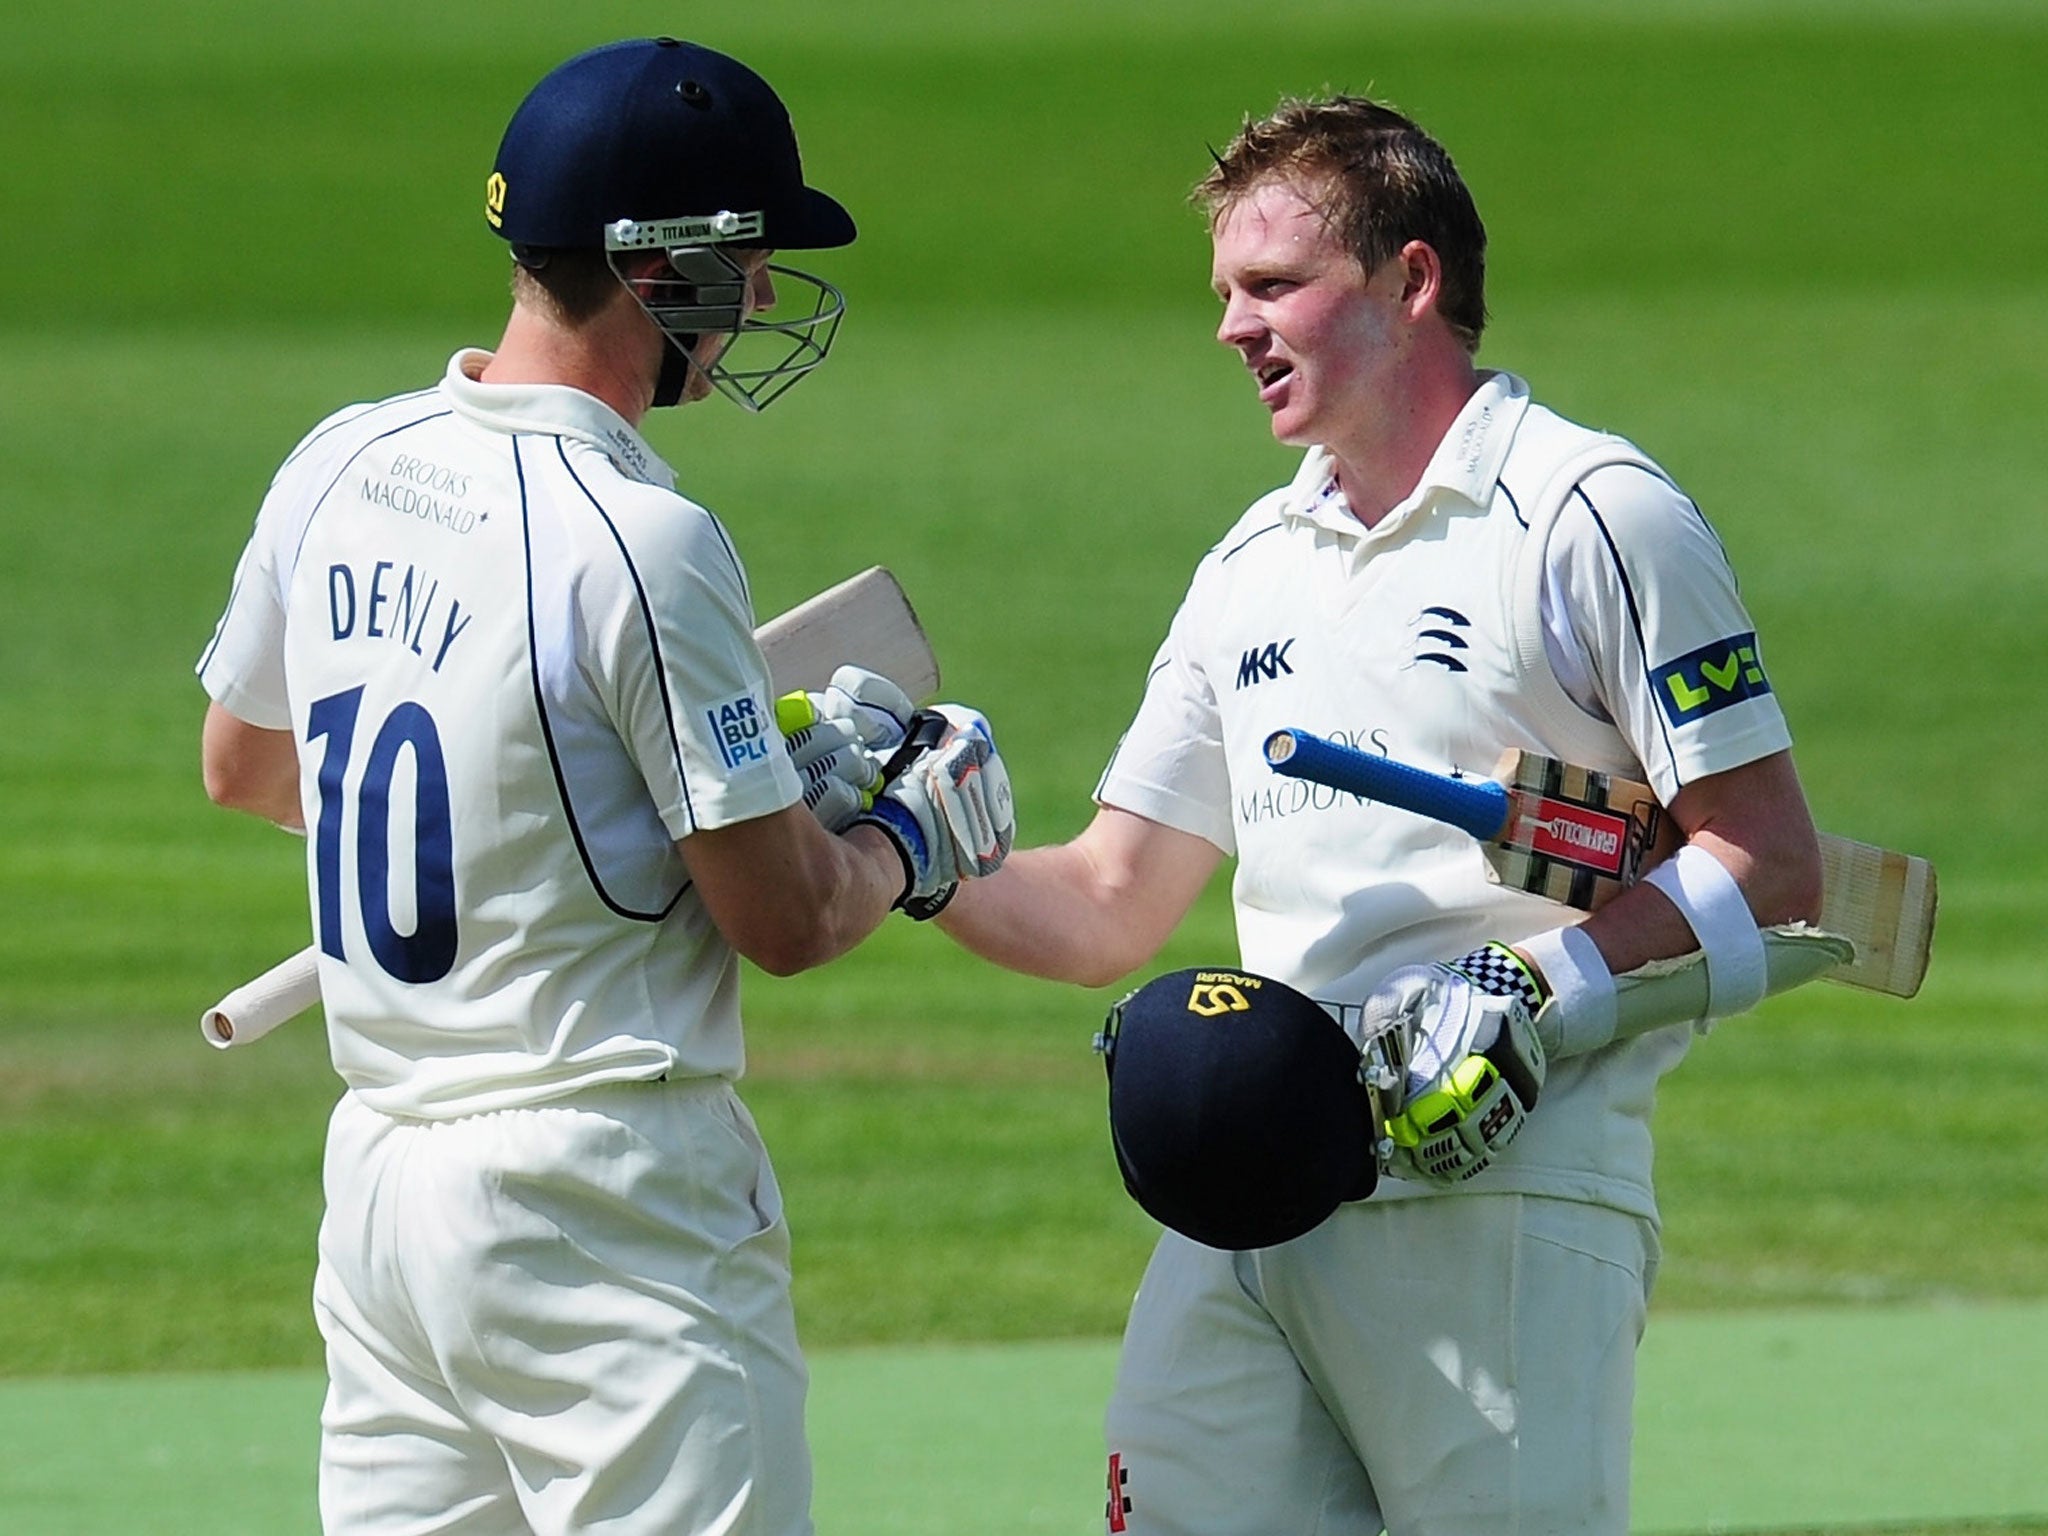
[{"x": 1477, "y": 806}]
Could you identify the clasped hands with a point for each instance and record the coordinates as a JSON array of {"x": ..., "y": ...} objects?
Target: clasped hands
[{"x": 930, "y": 780}]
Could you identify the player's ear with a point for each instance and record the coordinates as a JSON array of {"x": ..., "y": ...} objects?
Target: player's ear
[
  {"x": 646, "y": 268},
  {"x": 1422, "y": 278}
]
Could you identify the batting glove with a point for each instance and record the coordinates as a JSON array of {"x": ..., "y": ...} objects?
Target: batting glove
[
  {"x": 878, "y": 711},
  {"x": 1454, "y": 1048},
  {"x": 840, "y": 777},
  {"x": 948, "y": 809},
  {"x": 838, "y": 739}
]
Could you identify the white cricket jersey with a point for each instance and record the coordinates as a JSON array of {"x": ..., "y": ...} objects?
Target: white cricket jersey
[
  {"x": 518, "y": 668},
  {"x": 1442, "y": 637}
]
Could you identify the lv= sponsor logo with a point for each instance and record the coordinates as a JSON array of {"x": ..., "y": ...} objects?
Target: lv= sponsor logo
[{"x": 1710, "y": 678}]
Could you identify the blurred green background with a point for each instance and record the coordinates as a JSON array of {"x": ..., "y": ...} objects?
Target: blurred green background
[{"x": 1797, "y": 251}]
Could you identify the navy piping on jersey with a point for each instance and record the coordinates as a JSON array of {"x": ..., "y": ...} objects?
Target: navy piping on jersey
[
  {"x": 1261, "y": 533},
  {"x": 1635, "y": 617},
  {"x": 236, "y": 590},
  {"x": 220, "y": 627},
  {"x": 1110, "y": 766},
  {"x": 1513, "y": 505},
  {"x": 349, "y": 421},
  {"x": 1712, "y": 534},
  {"x": 731, "y": 554},
  {"x": 668, "y": 713},
  {"x": 540, "y": 706},
  {"x": 1119, "y": 747}
]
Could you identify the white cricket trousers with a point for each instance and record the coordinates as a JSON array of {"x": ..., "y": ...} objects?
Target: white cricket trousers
[
  {"x": 571, "y": 1318},
  {"x": 1456, "y": 1365}
]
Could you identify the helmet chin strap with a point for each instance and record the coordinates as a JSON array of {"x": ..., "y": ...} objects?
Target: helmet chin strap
[{"x": 675, "y": 371}]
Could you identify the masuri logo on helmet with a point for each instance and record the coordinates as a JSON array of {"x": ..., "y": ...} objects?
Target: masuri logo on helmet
[
  {"x": 1221, "y": 992},
  {"x": 1235, "y": 1108}
]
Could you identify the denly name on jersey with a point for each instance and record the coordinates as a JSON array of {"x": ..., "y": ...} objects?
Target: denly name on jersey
[{"x": 383, "y": 602}]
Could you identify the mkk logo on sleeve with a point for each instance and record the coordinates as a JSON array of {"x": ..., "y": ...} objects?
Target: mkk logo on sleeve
[
  {"x": 741, "y": 728},
  {"x": 1710, "y": 678}
]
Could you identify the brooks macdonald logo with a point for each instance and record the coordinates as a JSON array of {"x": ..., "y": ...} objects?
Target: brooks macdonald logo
[{"x": 1264, "y": 796}]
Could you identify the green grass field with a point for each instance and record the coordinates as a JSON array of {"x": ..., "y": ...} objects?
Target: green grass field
[
  {"x": 1925, "y": 1411},
  {"x": 1799, "y": 252}
]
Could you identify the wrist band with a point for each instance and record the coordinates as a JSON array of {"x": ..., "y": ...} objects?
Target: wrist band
[
  {"x": 1496, "y": 968},
  {"x": 922, "y": 909},
  {"x": 1581, "y": 1015},
  {"x": 889, "y": 819},
  {"x": 1706, "y": 895}
]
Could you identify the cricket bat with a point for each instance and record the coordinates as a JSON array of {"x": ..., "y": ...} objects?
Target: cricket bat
[
  {"x": 1578, "y": 837},
  {"x": 864, "y": 621}
]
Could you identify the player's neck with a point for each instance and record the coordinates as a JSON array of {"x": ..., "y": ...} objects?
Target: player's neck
[
  {"x": 1379, "y": 465},
  {"x": 603, "y": 358}
]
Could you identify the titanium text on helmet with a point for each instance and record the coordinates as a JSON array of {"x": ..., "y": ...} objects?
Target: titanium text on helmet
[{"x": 706, "y": 294}]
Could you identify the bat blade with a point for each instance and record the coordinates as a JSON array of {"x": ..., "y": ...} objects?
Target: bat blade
[
  {"x": 865, "y": 620},
  {"x": 1579, "y": 837},
  {"x": 1884, "y": 902}
]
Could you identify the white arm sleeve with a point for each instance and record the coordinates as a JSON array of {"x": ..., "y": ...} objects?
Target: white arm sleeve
[
  {"x": 1644, "y": 627},
  {"x": 1170, "y": 766},
  {"x": 683, "y": 680}
]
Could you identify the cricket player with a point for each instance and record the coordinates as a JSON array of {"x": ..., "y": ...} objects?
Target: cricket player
[
  {"x": 504, "y": 678},
  {"x": 1452, "y": 571}
]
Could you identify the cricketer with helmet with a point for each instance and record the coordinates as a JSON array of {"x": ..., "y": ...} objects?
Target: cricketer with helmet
[
  {"x": 1452, "y": 571},
  {"x": 504, "y": 676}
]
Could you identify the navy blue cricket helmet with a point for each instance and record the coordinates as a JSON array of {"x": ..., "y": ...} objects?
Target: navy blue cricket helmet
[
  {"x": 653, "y": 130},
  {"x": 660, "y": 146},
  {"x": 1235, "y": 1108}
]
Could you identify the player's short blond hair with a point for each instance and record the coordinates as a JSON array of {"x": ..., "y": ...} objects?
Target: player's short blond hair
[
  {"x": 1379, "y": 179},
  {"x": 570, "y": 286}
]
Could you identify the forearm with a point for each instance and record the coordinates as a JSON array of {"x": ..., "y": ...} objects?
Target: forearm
[
  {"x": 1636, "y": 927},
  {"x": 789, "y": 895},
  {"x": 1045, "y": 914},
  {"x": 248, "y": 768},
  {"x": 1089, "y": 911},
  {"x": 1751, "y": 862},
  {"x": 1763, "y": 836}
]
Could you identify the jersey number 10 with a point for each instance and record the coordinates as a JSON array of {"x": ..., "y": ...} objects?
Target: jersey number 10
[{"x": 428, "y": 952}]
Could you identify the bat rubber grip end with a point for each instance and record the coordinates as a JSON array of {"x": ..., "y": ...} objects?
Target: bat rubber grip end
[{"x": 1476, "y": 806}]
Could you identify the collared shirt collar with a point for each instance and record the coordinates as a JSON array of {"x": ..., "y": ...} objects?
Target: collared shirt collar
[
  {"x": 1466, "y": 463},
  {"x": 558, "y": 410}
]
